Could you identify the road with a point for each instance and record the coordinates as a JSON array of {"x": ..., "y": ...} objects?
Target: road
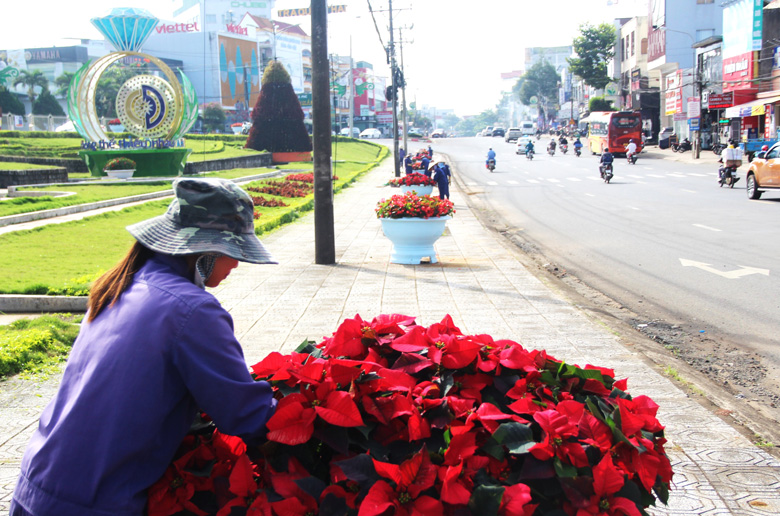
[{"x": 661, "y": 239}]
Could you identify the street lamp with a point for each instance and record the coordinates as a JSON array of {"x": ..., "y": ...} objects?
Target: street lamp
[
  {"x": 695, "y": 82},
  {"x": 275, "y": 32}
]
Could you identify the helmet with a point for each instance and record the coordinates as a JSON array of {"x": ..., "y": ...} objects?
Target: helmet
[
  {"x": 631, "y": 141},
  {"x": 765, "y": 148}
]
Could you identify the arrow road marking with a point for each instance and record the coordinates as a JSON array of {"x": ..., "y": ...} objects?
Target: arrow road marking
[{"x": 735, "y": 274}]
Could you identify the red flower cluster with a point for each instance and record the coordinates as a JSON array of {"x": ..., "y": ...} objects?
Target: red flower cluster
[
  {"x": 304, "y": 178},
  {"x": 414, "y": 179},
  {"x": 286, "y": 189},
  {"x": 411, "y": 205},
  {"x": 390, "y": 418},
  {"x": 259, "y": 200}
]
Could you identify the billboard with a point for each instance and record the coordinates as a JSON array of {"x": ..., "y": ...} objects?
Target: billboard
[
  {"x": 239, "y": 75},
  {"x": 289, "y": 50}
]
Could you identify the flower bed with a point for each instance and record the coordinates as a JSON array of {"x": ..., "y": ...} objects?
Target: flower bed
[
  {"x": 286, "y": 189},
  {"x": 304, "y": 178},
  {"x": 413, "y": 179},
  {"x": 411, "y": 205},
  {"x": 259, "y": 200},
  {"x": 391, "y": 418}
]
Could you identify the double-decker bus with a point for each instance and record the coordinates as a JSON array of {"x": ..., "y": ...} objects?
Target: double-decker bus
[{"x": 613, "y": 130}]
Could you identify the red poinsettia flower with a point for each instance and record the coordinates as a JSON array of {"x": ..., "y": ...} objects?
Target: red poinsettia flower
[
  {"x": 455, "y": 488},
  {"x": 557, "y": 431},
  {"x": 608, "y": 480},
  {"x": 410, "y": 478},
  {"x": 174, "y": 491},
  {"x": 516, "y": 501}
]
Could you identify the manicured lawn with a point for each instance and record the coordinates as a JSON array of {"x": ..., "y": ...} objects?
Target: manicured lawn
[
  {"x": 6, "y": 165},
  {"x": 36, "y": 345},
  {"x": 66, "y": 258}
]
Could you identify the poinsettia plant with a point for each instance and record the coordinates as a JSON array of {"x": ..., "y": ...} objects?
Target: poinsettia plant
[
  {"x": 413, "y": 179},
  {"x": 120, "y": 164},
  {"x": 412, "y": 205},
  {"x": 387, "y": 417}
]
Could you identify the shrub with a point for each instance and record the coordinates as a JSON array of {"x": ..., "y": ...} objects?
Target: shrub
[
  {"x": 121, "y": 163},
  {"x": 28, "y": 344}
]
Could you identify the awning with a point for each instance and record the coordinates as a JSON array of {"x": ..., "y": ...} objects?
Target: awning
[{"x": 752, "y": 108}]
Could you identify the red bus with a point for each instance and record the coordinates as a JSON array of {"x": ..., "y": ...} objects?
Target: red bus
[{"x": 613, "y": 130}]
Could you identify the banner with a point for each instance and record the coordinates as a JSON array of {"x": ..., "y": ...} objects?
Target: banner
[
  {"x": 238, "y": 72},
  {"x": 694, "y": 107}
]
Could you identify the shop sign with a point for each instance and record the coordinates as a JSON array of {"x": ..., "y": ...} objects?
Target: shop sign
[
  {"x": 776, "y": 61},
  {"x": 55, "y": 55},
  {"x": 673, "y": 94},
  {"x": 758, "y": 22},
  {"x": 611, "y": 89},
  {"x": 249, "y": 5},
  {"x": 171, "y": 28},
  {"x": 305, "y": 99},
  {"x": 769, "y": 123},
  {"x": 721, "y": 100},
  {"x": 237, "y": 29},
  {"x": 364, "y": 118},
  {"x": 636, "y": 78},
  {"x": 384, "y": 117},
  {"x": 737, "y": 72},
  {"x": 656, "y": 44},
  {"x": 306, "y": 11},
  {"x": 693, "y": 123},
  {"x": 680, "y": 117},
  {"x": 694, "y": 107}
]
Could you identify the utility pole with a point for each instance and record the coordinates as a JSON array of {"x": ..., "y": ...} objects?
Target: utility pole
[
  {"x": 403, "y": 93},
  {"x": 394, "y": 78},
  {"x": 324, "y": 233},
  {"x": 697, "y": 93},
  {"x": 350, "y": 90}
]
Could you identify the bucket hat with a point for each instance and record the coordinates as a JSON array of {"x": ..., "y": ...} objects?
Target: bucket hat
[{"x": 207, "y": 216}]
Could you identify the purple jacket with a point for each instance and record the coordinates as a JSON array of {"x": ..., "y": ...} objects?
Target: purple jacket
[{"x": 134, "y": 381}]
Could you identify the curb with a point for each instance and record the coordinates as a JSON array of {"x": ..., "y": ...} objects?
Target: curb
[{"x": 20, "y": 303}]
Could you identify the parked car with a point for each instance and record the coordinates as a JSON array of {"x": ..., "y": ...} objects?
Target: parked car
[
  {"x": 487, "y": 131},
  {"x": 438, "y": 133},
  {"x": 355, "y": 132},
  {"x": 498, "y": 131},
  {"x": 764, "y": 172},
  {"x": 522, "y": 141},
  {"x": 512, "y": 134},
  {"x": 665, "y": 137},
  {"x": 371, "y": 132}
]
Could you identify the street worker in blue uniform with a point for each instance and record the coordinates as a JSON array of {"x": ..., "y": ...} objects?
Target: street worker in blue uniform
[
  {"x": 402, "y": 155},
  {"x": 154, "y": 349},
  {"x": 408, "y": 164},
  {"x": 430, "y": 152},
  {"x": 425, "y": 161},
  {"x": 442, "y": 174}
]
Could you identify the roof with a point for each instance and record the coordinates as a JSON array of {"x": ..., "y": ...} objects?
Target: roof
[{"x": 277, "y": 26}]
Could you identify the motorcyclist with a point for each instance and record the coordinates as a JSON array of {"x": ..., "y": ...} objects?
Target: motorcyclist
[
  {"x": 490, "y": 155},
  {"x": 606, "y": 159},
  {"x": 551, "y": 147},
  {"x": 577, "y": 145},
  {"x": 630, "y": 149},
  {"x": 529, "y": 147}
]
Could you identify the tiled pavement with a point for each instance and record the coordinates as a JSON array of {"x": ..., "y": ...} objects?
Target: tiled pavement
[{"x": 480, "y": 282}]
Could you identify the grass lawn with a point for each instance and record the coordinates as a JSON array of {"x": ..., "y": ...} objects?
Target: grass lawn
[
  {"x": 36, "y": 345},
  {"x": 6, "y": 165},
  {"x": 66, "y": 258}
]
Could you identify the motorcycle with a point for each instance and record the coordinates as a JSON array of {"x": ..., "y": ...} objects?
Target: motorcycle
[
  {"x": 529, "y": 154},
  {"x": 564, "y": 148},
  {"x": 606, "y": 172},
  {"x": 632, "y": 158},
  {"x": 717, "y": 148},
  {"x": 538, "y": 136},
  {"x": 683, "y": 146},
  {"x": 551, "y": 151},
  {"x": 491, "y": 164},
  {"x": 578, "y": 151},
  {"x": 727, "y": 175}
]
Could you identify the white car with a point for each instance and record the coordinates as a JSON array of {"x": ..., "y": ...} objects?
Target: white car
[
  {"x": 345, "y": 132},
  {"x": 371, "y": 132},
  {"x": 522, "y": 141}
]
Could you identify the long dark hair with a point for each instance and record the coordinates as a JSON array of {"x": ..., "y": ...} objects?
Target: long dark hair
[{"x": 108, "y": 287}]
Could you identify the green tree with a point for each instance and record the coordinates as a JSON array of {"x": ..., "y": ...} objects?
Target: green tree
[
  {"x": 9, "y": 103},
  {"x": 595, "y": 47},
  {"x": 109, "y": 84},
  {"x": 540, "y": 81},
  {"x": 450, "y": 120},
  {"x": 214, "y": 117},
  {"x": 46, "y": 104},
  {"x": 31, "y": 80},
  {"x": 600, "y": 104},
  {"x": 63, "y": 82}
]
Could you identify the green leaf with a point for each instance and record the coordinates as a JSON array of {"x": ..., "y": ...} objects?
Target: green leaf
[
  {"x": 662, "y": 491},
  {"x": 517, "y": 437},
  {"x": 564, "y": 470},
  {"x": 486, "y": 500}
]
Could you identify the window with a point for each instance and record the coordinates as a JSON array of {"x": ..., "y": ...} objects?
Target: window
[
  {"x": 632, "y": 44},
  {"x": 705, "y": 1},
  {"x": 624, "y": 122},
  {"x": 772, "y": 154}
]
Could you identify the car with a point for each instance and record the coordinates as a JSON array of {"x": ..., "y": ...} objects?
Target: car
[
  {"x": 371, "y": 132},
  {"x": 764, "y": 172},
  {"x": 487, "y": 131},
  {"x": 438, "y": 133},
  {"x": 355, "y": 132},
  {"x": 498, "y": 131},
  {"x": 522, "y": 141},
  {"x": 665, "y": 137},
  {"x": 512, "y": 134}
]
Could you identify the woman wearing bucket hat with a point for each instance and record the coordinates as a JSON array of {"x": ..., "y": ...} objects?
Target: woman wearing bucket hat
[{"x": 155, "y": 348}]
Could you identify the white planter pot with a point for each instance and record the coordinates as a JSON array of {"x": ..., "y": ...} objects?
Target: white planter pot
[
  {"x": 413, "y": 238},
  {"x": 120, "y": 174},
  {"x": 419, "y": 189}
]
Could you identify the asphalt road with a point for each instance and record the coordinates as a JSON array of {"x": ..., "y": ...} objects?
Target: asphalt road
[{"x": 661, "y": 238}]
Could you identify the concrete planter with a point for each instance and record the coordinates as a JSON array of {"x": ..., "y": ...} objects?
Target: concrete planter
[
  {"x": 120, "y": 174},
  {"x": 413, "y": 238},
  {"x": 418, "y": 189}
]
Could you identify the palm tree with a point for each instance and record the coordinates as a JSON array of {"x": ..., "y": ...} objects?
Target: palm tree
[
  {"x": 63, "y": 83},
  {"x": 31, "y": 80}
]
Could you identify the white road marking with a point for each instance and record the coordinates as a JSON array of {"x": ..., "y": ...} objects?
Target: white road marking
[
  {"x": 699, "y": 175},
  {"x": 653, "y": 175},
  {"x": 533, "y": 181},
  {"x": 689, "y": 191},
  {"x": 706, "y": 227},
  {"x": 553, "y": 180},
  {"x": 594, "y": 178},
  {"x": 648, "y": 168},
  {"x": 635, "y": 176},
  {"x": 511, "y": 182},
  {"x": 471, "y": 184},
  {"x": 633, "y": 208},
  {"x": 590, "y": 195},
  {"x": 574, "y": 179},
  {"x": 675, "y": 175},
  {"x": 492, "y": 183},
  {"x": 735, "y": 274}
]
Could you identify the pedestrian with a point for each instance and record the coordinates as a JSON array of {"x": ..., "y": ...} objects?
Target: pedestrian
[
  {"x": 430, "y": 152},
  {"x": 408, "y": 164},
  {"x": 442, "y": 177},
  {"x": 425, "y": 162},
  {"x": 154, "y": 349},
  {"x": 402, "y": 155}
]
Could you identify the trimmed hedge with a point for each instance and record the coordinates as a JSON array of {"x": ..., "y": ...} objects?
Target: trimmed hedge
[{"x": 32, "y": 344}]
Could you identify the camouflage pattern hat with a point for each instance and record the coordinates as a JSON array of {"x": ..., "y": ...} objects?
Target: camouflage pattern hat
[{"x": 207, "y": 216}]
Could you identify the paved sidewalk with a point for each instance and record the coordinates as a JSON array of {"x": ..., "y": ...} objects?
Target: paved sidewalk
[{"x": 480, "y": 281}]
